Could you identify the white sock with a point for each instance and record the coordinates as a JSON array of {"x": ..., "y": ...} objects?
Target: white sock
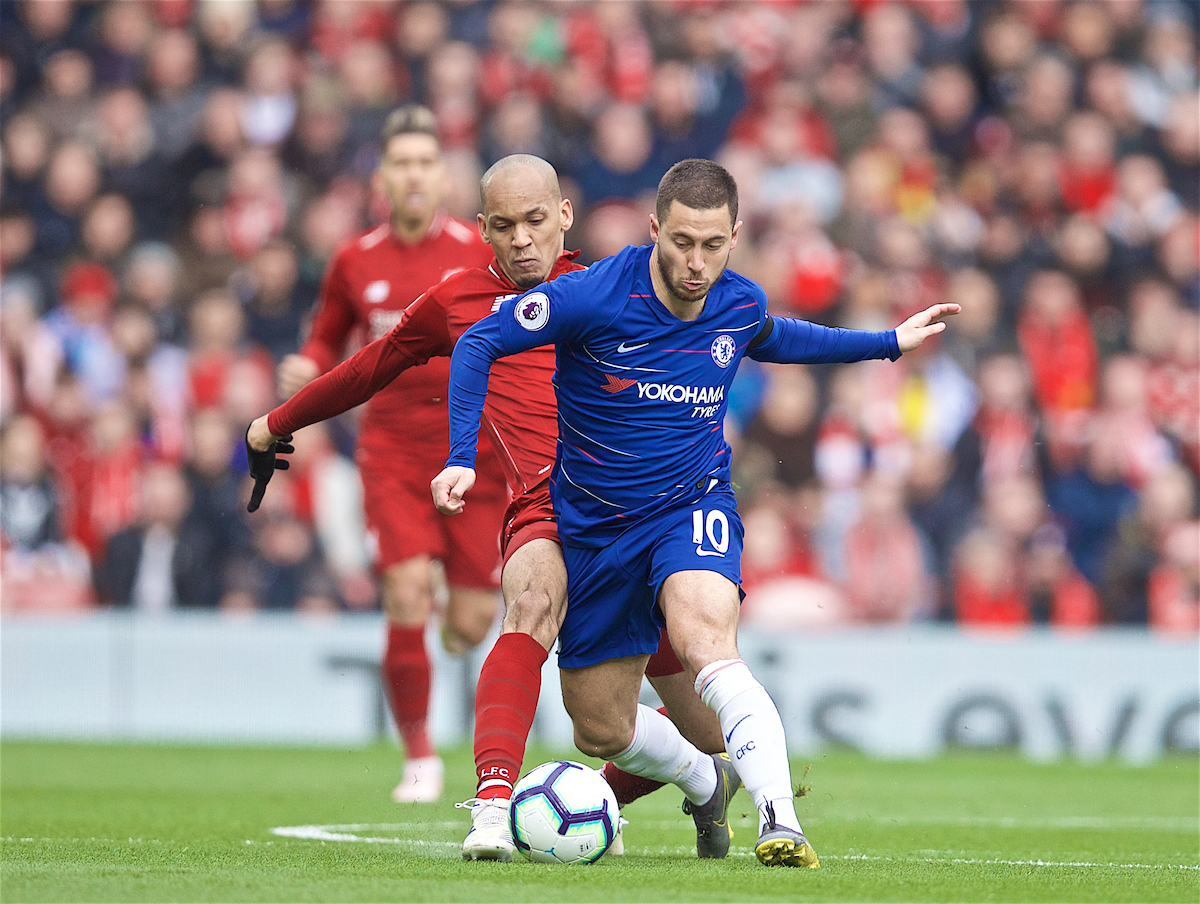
[
  {"x": 660, "y": 752},
  {"x": 753, "y": 736}
]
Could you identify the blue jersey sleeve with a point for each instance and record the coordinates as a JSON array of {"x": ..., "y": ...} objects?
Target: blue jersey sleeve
[
  {"x": 470, "y": 367},
  {"x": 548, "y": 314},
  {"x": 792, "y": 341}
]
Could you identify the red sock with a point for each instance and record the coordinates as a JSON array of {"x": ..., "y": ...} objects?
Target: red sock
[
  {"x": 627, "y": 787},
  {"x": 406, "y": 677},
  {"x": 505, "y": 702}
]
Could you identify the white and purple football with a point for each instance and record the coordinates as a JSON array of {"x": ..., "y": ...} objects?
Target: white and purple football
[{"x": 563, "y": 812}]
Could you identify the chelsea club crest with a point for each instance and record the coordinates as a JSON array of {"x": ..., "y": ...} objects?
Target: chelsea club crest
[{"x": 723, "y": 349}]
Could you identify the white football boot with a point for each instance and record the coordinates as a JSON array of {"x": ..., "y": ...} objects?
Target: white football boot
[
  {"x": 617, "y": 848},
  {"x": 422, "y": 781},
  {"x": 490, "y": 837}
]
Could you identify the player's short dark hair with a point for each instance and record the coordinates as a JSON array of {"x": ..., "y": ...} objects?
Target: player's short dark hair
[
  {"x": 698, "y": 184},
  {"x": 411, "y": 119}
]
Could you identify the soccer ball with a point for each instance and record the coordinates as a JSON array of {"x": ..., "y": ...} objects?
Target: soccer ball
[{"x": 563, "y": 812}]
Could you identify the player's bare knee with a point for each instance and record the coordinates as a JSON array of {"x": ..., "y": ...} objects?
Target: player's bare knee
[
  {"x": 602, "y": 728},
  {"x": 407, "y": 596},
  {"x": 407, "y": 608},
  {"x": 700, "y": 652},
  {"x": 474, "y": 634},
  {"x": 465, "y": 630},
  {"x": 699, "y": 645},
  {"x": 605, "y": 741},
  {"x": 534, "y": 612},
  {"x": 529, "y": 606}
]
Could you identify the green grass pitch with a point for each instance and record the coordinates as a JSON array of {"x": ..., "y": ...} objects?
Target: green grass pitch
[{"x": 142, "y": 823}]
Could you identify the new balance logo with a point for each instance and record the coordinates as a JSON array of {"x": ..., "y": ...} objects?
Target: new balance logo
[{"x": 616, "y": 384}]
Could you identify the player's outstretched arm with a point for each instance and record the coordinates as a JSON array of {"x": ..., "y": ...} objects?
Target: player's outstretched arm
[
  {"x": 449, "y": 487},
  {"x": 421, "y": 334},
  {"x": 789, "y": 340},
  {"x": 919, "y": 327}
]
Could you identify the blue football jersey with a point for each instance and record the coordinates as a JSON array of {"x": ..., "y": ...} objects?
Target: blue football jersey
[{"x": 641, "y": 394}]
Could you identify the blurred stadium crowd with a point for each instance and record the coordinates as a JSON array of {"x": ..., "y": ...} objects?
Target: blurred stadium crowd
[{"x": 177, "y": 173}]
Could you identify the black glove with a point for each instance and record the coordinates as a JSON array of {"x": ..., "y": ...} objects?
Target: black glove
[{"x": 264, "y": 464}]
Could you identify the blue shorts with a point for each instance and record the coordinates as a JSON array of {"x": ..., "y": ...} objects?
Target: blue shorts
[{"x": 612, "y": 592}]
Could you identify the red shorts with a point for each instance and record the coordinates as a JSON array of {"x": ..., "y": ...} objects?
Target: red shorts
[
  {"x": 529, "y": 517},
  {"x": 404, "y": 524}
]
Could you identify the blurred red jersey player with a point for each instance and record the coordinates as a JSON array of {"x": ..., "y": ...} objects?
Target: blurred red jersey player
[{"x": 403, "y": 438}]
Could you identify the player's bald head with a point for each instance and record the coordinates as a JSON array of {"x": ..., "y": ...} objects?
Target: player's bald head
[
  {"x": 523, "y": 169},
  {"x": 525, "y": 217}
]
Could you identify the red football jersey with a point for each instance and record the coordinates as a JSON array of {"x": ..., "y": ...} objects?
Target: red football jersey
[
  {"x": 520, "y": 414},
  {"x": 369, "y": 283}
]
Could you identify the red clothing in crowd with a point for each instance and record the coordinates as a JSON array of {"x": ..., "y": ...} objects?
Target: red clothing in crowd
[
  {"x": 980, "y": 606},
  {"x": 814, "y": 136},
  {"x": 618, "y": 58},
  {"x": 98, "y": 482},
  {"x": 1063, "y": 360},
  {"x": 1006, "y": 440},
  {"x": 1174, "y": 601},
  {"x": 210, "y": 373},
  {"x": 1073, "y": 602},
  {"x": 885, "y": 570},
  {"x": 336, "y": 27},
  {"x": 106, "y": 495},
  {"x": 1086, "y": 190},
  {"x": 1174, "y": 399}
]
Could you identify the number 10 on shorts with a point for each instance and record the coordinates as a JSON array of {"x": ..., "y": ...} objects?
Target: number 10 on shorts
[{"x": 714, "y": 528}]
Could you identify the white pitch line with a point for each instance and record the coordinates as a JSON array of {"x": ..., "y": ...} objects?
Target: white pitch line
[
  {"x": 7, "y": 839},
  {"x": 683, "y": 850},
  {"x": 323, "y": 833},
  {"x": 1164, "y": 823},
  {"x": 1120, "y": 823},
  {"x": 347, "y": 833},
  {"x": 387, "y": 826},
  {"x": 1001, "y": 862},
  {"x": 328, "y": 833}
]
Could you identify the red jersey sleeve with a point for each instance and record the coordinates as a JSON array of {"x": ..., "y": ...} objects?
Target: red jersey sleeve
[
  {"x": 334, "y": 317},
  {"x": 421, "y": 334},
  {"x": 424, "y": 331}
]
